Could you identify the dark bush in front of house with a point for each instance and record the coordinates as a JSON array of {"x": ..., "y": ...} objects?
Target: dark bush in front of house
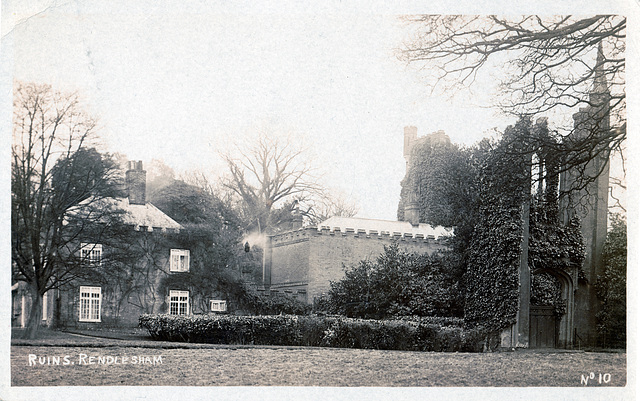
[{"x": 322, "y": 331}]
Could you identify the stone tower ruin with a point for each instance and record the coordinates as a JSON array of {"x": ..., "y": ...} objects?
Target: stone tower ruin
[{"x": 587, "y": 196}]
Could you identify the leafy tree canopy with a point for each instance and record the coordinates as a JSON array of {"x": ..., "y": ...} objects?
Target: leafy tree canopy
[{"x": 612, "y": 285}]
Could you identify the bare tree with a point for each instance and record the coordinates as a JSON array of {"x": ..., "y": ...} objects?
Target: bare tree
[
  {"x": 266, "y": 173},
  {"x": 329, "y": 205},
  {"x": 550, "y": 63},
  {"x": 58, "y": 185}
]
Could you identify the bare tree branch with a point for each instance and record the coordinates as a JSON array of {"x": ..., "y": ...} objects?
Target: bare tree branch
[
  {"x": 54, "y": 171},
  {"x": 267, "y": 173},
  {"x": 565, "y": 63}
]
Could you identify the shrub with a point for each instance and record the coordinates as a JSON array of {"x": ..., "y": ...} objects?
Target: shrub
[
  {"x": 274, "y": 304},
  {"x": 327, "y": 331},
  {"x": 396, "y": 284}
]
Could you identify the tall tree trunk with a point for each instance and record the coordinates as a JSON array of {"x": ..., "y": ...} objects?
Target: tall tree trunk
[{"x": 35, "y": 315}]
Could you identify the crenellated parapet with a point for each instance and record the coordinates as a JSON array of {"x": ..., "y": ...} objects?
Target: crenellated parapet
[
  {"x": 292, "y": 237},
  {"x": 304, "y": 261},
  {"x": 304, "y": 234}
]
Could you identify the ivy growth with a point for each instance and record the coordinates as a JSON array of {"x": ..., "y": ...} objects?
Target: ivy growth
[{"x": 492, "y": 271}]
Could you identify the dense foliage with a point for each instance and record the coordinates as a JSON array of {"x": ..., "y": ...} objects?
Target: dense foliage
[
  {"x": 612, "y": 285},
  {"x": 397, "y": 284},
  {"x": 441, "y": 175},
  {"x": 213, "y": 236},
  {"x": 554, "y": 248},
  {"x": 552, "y": 245},
  {"x": 485, "y": 192},
  {"x": 546, "y": 291},
  {"x": 275, "y": 304},
  {"x": 492, "y": 272},
  {"x": 324, "y": 331}
]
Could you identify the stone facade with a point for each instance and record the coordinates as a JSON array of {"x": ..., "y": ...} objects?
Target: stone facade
[
  {"x": 588, "y": 200},
  {"x": 590, "y": 204},
  {"x": 303, "y": 262}
]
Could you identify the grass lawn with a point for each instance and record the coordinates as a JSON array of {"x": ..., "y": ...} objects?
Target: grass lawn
[{"x": 299, "y": 366}]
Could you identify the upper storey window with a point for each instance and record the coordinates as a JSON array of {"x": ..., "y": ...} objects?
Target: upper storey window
[
  {"x": 91, "y": 254},
  {"x": 179, "y": 260}
]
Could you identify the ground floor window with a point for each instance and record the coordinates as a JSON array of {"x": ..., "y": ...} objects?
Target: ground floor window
[
  {"x": 178, "y": 302},
  {"x": 218, "y": 305},
  {"x": 90, "y": 300}
]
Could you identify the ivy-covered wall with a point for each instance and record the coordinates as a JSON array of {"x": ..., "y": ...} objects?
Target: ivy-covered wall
[
  {"x": 492, "y": 271},
  {"x": 129, "y": 283}
]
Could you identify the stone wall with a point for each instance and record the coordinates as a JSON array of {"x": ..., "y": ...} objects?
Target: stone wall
[
  {"x": 290, "y": 253},
  {"x": 307, "y": 260}
]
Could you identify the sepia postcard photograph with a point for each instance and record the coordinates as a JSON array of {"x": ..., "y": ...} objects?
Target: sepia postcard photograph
[{"x": 281, "y": 200}]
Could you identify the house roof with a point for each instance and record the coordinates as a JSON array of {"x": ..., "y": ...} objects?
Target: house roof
[
  {"x": 390, "y": 226},
  {"x": 146, "y": 215}
]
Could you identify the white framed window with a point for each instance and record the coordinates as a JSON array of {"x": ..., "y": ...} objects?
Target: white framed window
[
  {"x": 218, "y": 305},
  {"x": 91, "y": 254},
  {"x": 45, "y": 308},
  {"x": 90, "y": 302},
  {"x": 179, "y": 260},
  {"x": 178, "y": 302}
]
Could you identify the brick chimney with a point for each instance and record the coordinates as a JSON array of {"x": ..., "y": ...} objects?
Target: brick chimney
[{"x": 136, "y": 179}]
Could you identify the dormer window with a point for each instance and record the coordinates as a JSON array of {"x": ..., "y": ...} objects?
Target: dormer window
[
  {"x": 179, "y": 260},
  {"x": 91, "y": 254}
]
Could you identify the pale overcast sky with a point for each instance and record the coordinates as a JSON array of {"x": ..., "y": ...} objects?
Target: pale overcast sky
[{"x": 179, "y": 83}]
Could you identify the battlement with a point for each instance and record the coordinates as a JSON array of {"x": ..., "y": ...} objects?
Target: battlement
[
  {"x": 305, "y": 234},
  {"x": 304, "y": 261},
  {"x": 382, "y": 229},
  {"x": 291, "y": 237}
]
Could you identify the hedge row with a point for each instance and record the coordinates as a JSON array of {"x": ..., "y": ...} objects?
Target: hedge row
[{"x": 319, "y": 331}]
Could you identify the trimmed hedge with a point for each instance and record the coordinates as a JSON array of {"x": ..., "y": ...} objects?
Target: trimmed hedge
[{"x": 319, "y": 331}]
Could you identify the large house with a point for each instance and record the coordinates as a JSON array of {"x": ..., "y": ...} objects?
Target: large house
[{"x": 118, "y": 289}]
